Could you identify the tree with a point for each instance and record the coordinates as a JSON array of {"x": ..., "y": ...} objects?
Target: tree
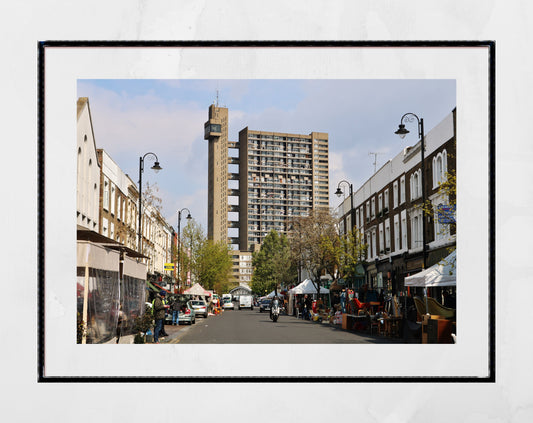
[
  {"x": 272, "y": 264},
  {"x": 192, "y": 241},
  {"x": 344, "y": 253},
  {"x": 317, "y": 242},
  {"x": 213, "y": 265},
  {"x": 151, "y": 197}
]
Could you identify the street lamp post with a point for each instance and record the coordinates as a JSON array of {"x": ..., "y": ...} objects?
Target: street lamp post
[
  {"x": 156, "y": 168},
  {"x": 402, "y": 132},
  {"x": 338, "y": 193},
  {"x": 179, "y": 239}
]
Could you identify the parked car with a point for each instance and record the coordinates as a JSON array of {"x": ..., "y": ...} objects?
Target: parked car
[
  {"x": 200, "y": 307},
  {"x": 187, "y": 314},
  {"x": 264, "y": 305}
]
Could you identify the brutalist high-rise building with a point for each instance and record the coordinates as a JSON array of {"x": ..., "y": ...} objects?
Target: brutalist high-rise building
[{"x": 281, "y": 177}]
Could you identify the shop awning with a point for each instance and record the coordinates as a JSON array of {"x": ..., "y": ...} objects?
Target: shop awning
[
  {"x": 441, "y": 274},
  {"x": 83, "y": 234},
  {"x": 152, "y": 287}
]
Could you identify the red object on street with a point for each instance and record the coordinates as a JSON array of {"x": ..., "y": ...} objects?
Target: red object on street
[{"x": 314, "y": 307}]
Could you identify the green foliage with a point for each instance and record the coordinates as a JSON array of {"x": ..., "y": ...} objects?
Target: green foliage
[
  {"x": 213, "y": 265},
  {"x": 315, "y": 241},
  {"x": 343, "y": 253},
  {"x": 80, "y": 329},
  {"x": 192, "y": 242},
  {"x": 272, "y": 264},
  {"x": 143, "y": 322}
]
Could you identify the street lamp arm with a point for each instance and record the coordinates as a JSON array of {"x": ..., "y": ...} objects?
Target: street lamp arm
[
  {"x": 343, "y": 182},
  {"x": 410, "y": 117},
  {"x": 338, "y": 193},
  {"x": 183, "y": 209}
]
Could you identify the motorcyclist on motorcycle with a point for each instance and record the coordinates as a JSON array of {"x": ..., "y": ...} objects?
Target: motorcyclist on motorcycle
[{"x": 274, "y": 306}]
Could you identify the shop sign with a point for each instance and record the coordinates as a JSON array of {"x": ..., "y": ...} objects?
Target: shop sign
[
  {"x": 169, "y": 266},
  {"x": 415, "y": 264}
]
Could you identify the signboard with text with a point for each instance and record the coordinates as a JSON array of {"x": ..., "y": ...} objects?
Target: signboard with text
[{"x": 446, "y": 214}]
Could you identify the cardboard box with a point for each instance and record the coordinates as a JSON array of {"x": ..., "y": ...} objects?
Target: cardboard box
[{"x": 345, "y": 321}]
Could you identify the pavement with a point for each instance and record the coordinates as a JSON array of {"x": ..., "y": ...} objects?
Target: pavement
[{"x": 172, "y": 330}]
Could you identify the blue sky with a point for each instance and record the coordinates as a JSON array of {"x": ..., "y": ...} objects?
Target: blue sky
[{"x": 166, "y": 117}]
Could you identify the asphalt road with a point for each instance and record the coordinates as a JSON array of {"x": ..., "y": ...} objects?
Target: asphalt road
[{"x": 252, "y": 327}]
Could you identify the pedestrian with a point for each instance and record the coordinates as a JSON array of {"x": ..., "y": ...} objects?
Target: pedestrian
[
  {"x": 159, "y": 314},
  {"x": 343, "y": 301},
  {"x": 163, "y": 331},
  {"x": 121, "y": 319},
  {"x": 175, "y": 309},
  {"x": 307, "y": 307}
]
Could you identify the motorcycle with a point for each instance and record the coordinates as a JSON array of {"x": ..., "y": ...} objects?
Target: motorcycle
[{"x": 274, "y": 311}]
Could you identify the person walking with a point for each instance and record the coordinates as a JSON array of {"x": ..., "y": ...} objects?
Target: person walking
[
  {"x": 159, "y": 314},
  {"x": 120, "y": 322},
  {"x": 175, "y": 308},
  {"x": 308, "y": 306},
  {"x": 343, "y": 301}
]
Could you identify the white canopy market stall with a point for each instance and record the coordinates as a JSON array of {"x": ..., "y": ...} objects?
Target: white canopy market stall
[
  {"x": 441, "y": 274},
  {"x": 306, "y": 287}
]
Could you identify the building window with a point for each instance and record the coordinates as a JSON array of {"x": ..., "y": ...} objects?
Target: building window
[
  {"x": 374, "y": 243},
  {"x": 373, "y": 207},
  {"x": 404, "y": 233},
  {"x": 105, "y": 227},
  {"x": 380, "y": 203},
  {"x": 106, "y": 194},
  {"x": 440, "y": 167},
  {"x": 395, "y": 194},
  {"x": 112, "y": 199},
  {"x": 416, "y": 231},
  {"x": 396, "y": 233},
  {"x": 402, "y": 189},
  {"x": 442, "y": 230},
  {"x": 386, "y": 200},
  {"x": 119, "y": 204},
  {"x": 387, "y": 235},
  {"x": 367, "y": 211},
  {"x": 416, "y": 185},
  {"x": 381, "y": 239}
]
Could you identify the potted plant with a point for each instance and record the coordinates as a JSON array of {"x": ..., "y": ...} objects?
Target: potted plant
[{"x": 142, "y": 324}]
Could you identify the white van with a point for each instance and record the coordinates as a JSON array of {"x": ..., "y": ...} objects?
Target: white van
[{"x": 246, "y": 301}]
